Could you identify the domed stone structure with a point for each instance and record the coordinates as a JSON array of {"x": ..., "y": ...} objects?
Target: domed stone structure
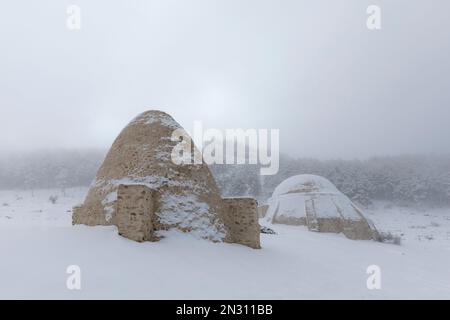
[
  {"x": 315, "y": 202},
  {"x": 142, "y": 191}
]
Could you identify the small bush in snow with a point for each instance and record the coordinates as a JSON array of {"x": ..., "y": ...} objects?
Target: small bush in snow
[
  {"x": 53, "y": 199},
  {"x": 267, "y": 230},
  {"x": 388, "y": 237},
  {"x": 5, "y": 204}
]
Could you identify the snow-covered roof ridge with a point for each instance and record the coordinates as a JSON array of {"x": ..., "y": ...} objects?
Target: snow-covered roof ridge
[
  {"x": 155, "y": 116},
  {"x": 306, "y": 183}
]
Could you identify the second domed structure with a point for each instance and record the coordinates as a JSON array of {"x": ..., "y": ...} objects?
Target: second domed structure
[{"x": 315, "y": 202}]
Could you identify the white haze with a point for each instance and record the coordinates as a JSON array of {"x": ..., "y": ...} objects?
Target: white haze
[{"x": 309, "y": 68}]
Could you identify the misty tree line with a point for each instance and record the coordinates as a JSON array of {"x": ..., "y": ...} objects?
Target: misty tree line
[
  {"x": 405, "y": 180},
  {"x": 53, "y": 169}
]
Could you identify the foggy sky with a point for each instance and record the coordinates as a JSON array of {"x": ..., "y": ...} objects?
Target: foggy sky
[{"x": 309, "y": 68}]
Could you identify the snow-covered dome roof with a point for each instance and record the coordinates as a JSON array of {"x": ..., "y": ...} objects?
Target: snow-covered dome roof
[
  {"x": 305, "y": 183},
  {"x": 315, "y": 202},
  {"x": 188, "y": 196}
]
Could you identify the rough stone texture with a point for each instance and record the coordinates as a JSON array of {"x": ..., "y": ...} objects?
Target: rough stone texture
[
  {"x": 135, "y": 211},
  {"x": 316, "y": 203},
  {"x": 77, "y": 211},
  {"x": 242, "y": 219},
  {"x": 187, "y": 197},
  {"x": 362, "y": 229},
  {"x": 291, "y": 221}
]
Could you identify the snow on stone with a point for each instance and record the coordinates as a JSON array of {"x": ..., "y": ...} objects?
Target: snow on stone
[
  {"x": 290, "y": 197},
  {"x": 305, "y": 183},
  {"x": 315, "y": 202},
  {"x": 152, "y": 117},
  {"x": 108, "y": 204},
  {"x": 187, "y": 211}
]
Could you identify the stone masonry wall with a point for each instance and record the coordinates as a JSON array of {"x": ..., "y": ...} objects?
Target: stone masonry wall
[
  {"x": 135, "y": 217},
  {"x": 135, "y": 209},
  {"x": 242, "y": 221}
]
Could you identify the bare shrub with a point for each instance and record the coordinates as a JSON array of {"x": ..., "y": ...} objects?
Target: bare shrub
[
  {"x": 388, "y": 237},
  {"x": 53, "y": 199}
]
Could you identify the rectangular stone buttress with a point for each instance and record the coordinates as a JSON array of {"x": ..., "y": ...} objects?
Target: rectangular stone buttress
[
  {"x": 134, "y": 212},
  {"x": 242, "y": 221}
]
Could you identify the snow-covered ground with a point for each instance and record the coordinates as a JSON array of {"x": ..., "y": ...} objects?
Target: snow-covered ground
[{"x": 38, "y": 243}]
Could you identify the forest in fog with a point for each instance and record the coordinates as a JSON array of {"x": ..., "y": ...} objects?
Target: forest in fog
[{"x": 414, "y": 180}]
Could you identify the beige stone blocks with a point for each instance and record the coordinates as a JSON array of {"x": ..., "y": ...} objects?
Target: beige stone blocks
[
  {"x": 242, "y": 221},
  {"x": 135, "y": 209}
]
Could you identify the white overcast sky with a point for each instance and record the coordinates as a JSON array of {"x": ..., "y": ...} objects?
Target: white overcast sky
[{"x": 309, "y": 68}]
